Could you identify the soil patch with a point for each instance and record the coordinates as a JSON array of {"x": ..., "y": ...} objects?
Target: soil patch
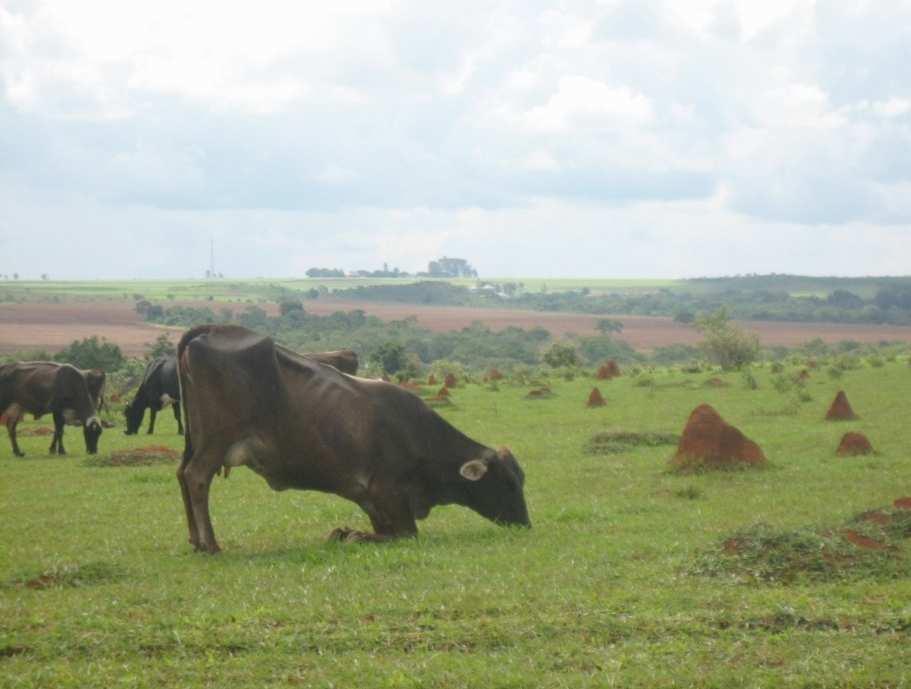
[
  {"x": 137, "y": 456},
  {"x": 715, "y": 383},
  {"x": 539, "y": 394},
  {"x": 853, "y": 444},
  {"x": 39, "y": 431},
  {"x": 708, "y": 442},
  {"x": 862, "y": 541},
  {"x": 71, "y": 576},
  {"x": 840, "y": 409}
]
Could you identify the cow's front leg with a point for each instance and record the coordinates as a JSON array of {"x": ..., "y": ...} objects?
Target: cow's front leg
[
  {"x": 391, "y": 519},
  {"x": 57, "y": 440},
  {"x": 152, "y": 420}
]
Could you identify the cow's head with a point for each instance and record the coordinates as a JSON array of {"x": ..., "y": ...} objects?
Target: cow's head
[
  {"x": 91, "y": 431},
  {"x": 133, "y": 413},
  {"x": 494, "y": 485}
]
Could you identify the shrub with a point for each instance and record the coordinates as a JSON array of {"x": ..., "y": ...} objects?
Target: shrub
[
  {"x": 725, "y": 343},
  {"x": 92, "y": 353},
  {"x": 559, "y": 355}
]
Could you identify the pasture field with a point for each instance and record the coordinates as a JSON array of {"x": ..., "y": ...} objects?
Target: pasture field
[
  {"x": 247, "y": 288},
  {"x": 98, "y": 586}
]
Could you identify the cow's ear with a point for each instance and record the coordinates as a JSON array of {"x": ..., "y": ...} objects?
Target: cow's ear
[{"x": 473, "y": 470}]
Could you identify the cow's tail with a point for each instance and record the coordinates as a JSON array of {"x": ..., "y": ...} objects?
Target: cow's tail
[{"x": 184, "y": 383}]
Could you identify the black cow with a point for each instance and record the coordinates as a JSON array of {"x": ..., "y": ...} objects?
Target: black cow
[
  {"x": 301, "y": 424},
  {"x": 41, "y": 387},
  {"x": 159, "y": 387}
]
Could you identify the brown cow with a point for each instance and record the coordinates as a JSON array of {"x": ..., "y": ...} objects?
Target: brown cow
[
  {"x": 301, "y": 424},
  {"x": 42, "y": 387}
]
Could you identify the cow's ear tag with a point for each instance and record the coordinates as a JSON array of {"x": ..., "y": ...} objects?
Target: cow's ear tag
[{"x": 473, "y": 470}]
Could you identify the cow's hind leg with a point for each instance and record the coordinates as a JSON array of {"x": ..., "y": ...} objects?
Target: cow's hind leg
[
  {"x": 196, "y": 480},
  {"x": 176, "y": 406},
  {"x": 187, "y": 504},
  {"x": 11, "y": 421}
]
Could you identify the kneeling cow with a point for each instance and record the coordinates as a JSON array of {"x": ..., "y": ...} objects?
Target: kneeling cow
[{"x": 301, "y": 424}]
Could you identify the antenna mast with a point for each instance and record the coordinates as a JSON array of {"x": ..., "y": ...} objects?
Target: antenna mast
[{"x": 212, "y": 257}]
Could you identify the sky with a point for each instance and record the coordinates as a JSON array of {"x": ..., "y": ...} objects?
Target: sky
[{"x": 623, "y": 138}]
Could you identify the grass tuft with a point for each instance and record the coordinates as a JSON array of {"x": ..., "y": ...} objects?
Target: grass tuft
[
  {"x": 616, "y": 442},
  {"x": 761, "y": 553}
]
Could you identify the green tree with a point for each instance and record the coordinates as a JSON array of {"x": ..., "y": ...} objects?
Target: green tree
[
  {"x": 726, "y": 344},
  {"x": 92, "y": 353},
  {"x": 289, "y": 306},
  {"x": 389, "y": 357},
  {"x": 162, "y": 346},
  {"x": 559, "y": 355},
  {"x": 605, "y": 326}
]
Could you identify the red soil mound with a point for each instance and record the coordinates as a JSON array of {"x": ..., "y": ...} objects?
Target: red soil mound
[
  {"x": 443, "y": 392},
  {"x": 595, "y": 399},
  {"x": 902, "y": 504},
  {"x": 450, "y": 381},
  {"x": 608, "y": 370},
  {"x": 708, "y": 442},
  {"x": 840, "y": 410},
  {"x": 853, "y": 444},
  {"x": 494, "y": 374},
  {"x": 539, "y": 393},
  {"x": 715, "y": 383},
  {"x": 431, "y": 379}
]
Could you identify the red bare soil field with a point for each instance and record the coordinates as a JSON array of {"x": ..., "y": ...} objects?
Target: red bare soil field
[
  {"x": 641, "y": 332},
  {"x": 54, "y": 326}
]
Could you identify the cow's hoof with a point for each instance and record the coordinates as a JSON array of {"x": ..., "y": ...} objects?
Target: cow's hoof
[
  {"x": 340, "y": 535},
  {"x": 19, "y": 454},
  {"x": 211, "y": 549}
]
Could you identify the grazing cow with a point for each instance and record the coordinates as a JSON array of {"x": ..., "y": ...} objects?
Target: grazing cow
[
  {"x": 301, "y": 424},
  {"x": 41, "y": 387},
  {"x": 160, "y": 387}
]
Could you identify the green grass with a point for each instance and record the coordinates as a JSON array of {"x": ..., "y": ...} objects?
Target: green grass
[{"x": 604, "y": 591}]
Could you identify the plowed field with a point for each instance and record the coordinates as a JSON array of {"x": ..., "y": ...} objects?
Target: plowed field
[{"x": 54, "y": 326}]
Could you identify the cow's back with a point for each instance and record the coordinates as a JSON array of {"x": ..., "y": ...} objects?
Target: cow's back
[{"x": 29, "y": 384}]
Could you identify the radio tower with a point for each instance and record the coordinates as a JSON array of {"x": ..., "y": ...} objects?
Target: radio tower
[{"x": 212, "y": 258}]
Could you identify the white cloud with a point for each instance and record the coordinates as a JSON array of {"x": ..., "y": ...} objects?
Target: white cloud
[
  {"x": 459, "y": 124},
  {"x": 583, "y": 102}
]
